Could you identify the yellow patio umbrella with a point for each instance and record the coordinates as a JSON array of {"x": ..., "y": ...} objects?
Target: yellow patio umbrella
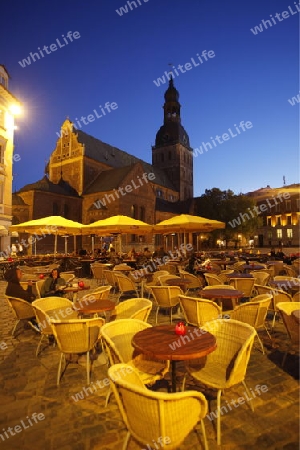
[
  {"x": 186, "y": 223},
  {"x": 51, "y": 225},
  {"x": 118, "y": 225}
]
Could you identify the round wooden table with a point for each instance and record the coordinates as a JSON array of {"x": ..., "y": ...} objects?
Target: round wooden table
[
  {"x": 286, "y": 285},
  {"x": 247, "y": 267},
  {"x": 220, "y": 294},
  {"x": 84, "y": 307},
  {"x": 74, "y": 290},
  {"x": 181, "y": 282},
  {"x": 239, "y": 275},
  {"x": 161, "y": 342}
]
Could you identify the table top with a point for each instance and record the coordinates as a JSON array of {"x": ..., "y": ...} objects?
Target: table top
[
  {"x": 160, "y": 342},
  {"x": 253, "y": 266},
  {"x": 75, "y": 288},
  {"x": 178, "y": 281},
  {"x": 220, "y": 293},
  {"x": 94, "y": 307},
  {"x": 286, "y": 284},
  {"x": 239, "y": 275}
]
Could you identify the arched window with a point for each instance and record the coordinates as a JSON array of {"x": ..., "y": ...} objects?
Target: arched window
[
  {"x": 55, "y": 209},
  {"x": 142, "y": 213},
  {"x": 170, "y": 154},
  {"x": 133, "y": 211},
  {"x": 66, "y": 211},
  {"x": 162, "y": 157}
]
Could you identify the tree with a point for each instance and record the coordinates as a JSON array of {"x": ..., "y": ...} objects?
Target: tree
[{"x": 237, "y": 211}]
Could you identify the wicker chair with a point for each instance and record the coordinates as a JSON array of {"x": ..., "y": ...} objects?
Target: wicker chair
[
  {"x": 254, "y": 313},
  {"x": 155, "y": 281},
  {"x": 246, "y": 285},
  {"x": 164, "y": 278},
  {"x": 291, "y": 325},
  {"x": 98, "y": 272},
  {"x": 51, "y": 307},
  {"x": 110, "y": 278},
  {"x": 296, "y": 297},
  {"x": 212, "y": 279},
  {"x": 277, "y": 296},
  {"x": 125, "y": 285},
  {"x": 76, "y": 336},
  {"x": 261, "y": 278},
  {"x": 195, "y": 282},
  {"x": 166, "y": 297},
  {"x": 134, "y": 308},
  {"x": 146, "y": 413},
  {"x": 117, "y": 337},
  {"x": 38, "y": 287},
  {"x": 226, "y": 366},
  {"x": 100, "y": 293},
  {"x": 22, "y": 310},
  {"x": 198, "y": 311},
  {"x": 67, "y": 276}
]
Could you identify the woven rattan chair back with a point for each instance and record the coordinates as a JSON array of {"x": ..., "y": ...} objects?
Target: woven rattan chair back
[
  {"x": 76, "y": 336},
  {"x": 134, "y": 308},
  {"x": 166, "y": 297},
  {"x": 21, "y": 309},
  {"x": 291, "y": 324},
  {"x": 147, "y": 413},
  {"x": 246, "y": 285},
  {"x": 212, "y": 279},
  {"x": 198, "y": 311}
]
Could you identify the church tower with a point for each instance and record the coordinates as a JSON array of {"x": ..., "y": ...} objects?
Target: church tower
[{"x": 172, "y": 152}]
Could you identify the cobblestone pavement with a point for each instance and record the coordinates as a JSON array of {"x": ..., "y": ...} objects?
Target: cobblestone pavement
[{"x": 64, "y": 422}]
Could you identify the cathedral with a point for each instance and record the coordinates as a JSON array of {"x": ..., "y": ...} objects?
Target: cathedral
[{"x": 87, "y": 180}]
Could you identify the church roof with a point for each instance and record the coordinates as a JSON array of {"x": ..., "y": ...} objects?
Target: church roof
[
  {"x": 62, "y": 187},
  {"x": 17, "y": 200},
  {"x": 108, "y": 180},
  {"x": 116, "y": 158}
]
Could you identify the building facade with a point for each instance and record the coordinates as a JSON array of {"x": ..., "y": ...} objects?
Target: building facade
[
  {"x": 9, "y": 107},
  {"x": 87, "y": 180},
  {"x": 280, "y": 211}
]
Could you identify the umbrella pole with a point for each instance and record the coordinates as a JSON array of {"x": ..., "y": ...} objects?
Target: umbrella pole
[
  {"x": 66, "y": 245},
  {"x": 55, "y": 244},
  {"x": 74, "y": 244}
]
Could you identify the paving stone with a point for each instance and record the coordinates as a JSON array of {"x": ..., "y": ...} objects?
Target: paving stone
[{"x": 29, "y": 385}]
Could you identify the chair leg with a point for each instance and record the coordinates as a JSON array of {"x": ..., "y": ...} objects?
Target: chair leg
[
  {"x": 219, "y": 417},
  {"x": 88, "y": 375},
  {"x": 183, "y": 382},
  {"x": 157, "y": 309},
  {"x": 125, "y": 444},
  {"x": 249, "y": 395},
  {"x": 15, "y": 327},
  {"x": 171, "y": 317},
  {"x": 204, "y": 435},
  {"x": 39, "y": 345},
  {"x": 273, "y": 321},
  {"x": 107, "y": 397},
  {"x": 284, "y": 358},
  {"x": 62, "y": 357},
  {"x": 261, "y": 344}
]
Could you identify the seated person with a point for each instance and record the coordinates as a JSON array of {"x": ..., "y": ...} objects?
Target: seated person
[
  {"x": 14, "y": 289},
  {"x": 51, "y": 285},
  {"x": 147, "y": 253},
  {"x": 132, "y": 254}
]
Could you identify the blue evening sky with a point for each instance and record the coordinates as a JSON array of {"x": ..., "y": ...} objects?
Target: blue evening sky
[{"x": 117, "y": 57}]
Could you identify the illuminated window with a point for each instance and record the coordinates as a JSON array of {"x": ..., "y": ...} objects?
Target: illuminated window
[
  {"x": 289, "y": 233},
  {"x": 279, "y": 233}
]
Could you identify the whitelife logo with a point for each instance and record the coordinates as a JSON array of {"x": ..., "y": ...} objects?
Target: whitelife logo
[{"x": 33, "y": 57}]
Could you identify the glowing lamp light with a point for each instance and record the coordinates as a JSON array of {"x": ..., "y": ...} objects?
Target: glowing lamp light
[
  {"x": 180, "y": 328},
  {"x": 81, "y": 284},
  {"x": 15, "y": 110}
]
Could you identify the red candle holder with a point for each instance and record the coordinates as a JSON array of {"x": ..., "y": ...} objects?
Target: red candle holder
[
  {"x": 41, "y": 276},
  {"x": 81, "y": 284},
  {"x": 180, "y": 328}
]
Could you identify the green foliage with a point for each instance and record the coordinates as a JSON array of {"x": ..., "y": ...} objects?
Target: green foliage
[{"x": 226, "y": 206}]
